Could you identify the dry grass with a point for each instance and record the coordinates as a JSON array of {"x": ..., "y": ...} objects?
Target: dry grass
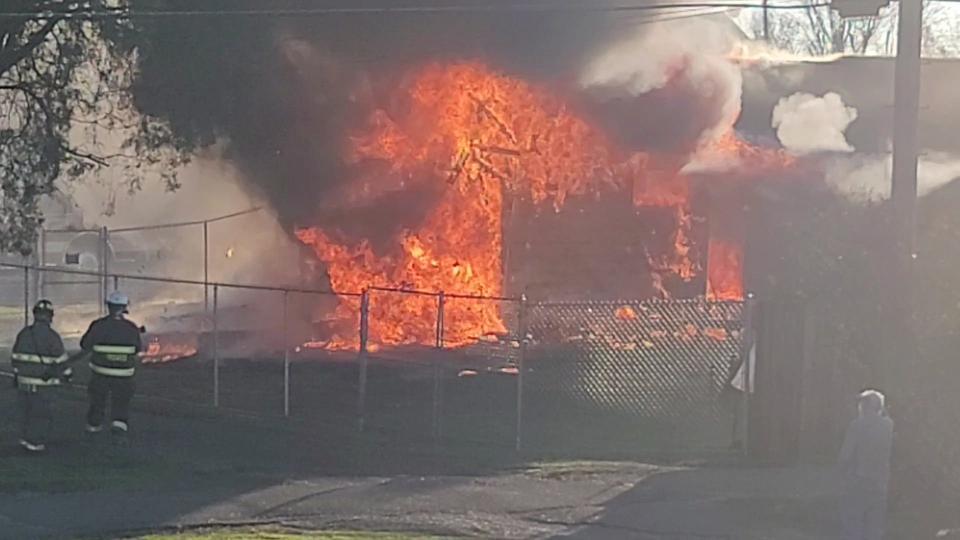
[{"x": 280, "y": 534}]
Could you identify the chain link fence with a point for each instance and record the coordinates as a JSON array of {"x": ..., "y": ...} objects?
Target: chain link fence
[
  {"x": 442, "y": 368},
  {"x": 644, "y": 375},
  {"x": 14, "y": 297},
  {"x": 183, "y": 250}
]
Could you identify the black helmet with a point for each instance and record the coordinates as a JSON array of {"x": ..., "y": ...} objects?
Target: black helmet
[{"x": 43, "y": 308}]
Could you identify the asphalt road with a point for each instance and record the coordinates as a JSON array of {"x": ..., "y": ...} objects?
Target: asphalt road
[{"x": 188, "y": 468}]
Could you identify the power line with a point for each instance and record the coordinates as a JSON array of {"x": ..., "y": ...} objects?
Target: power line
[
  {"x": 523, "y": 8},
  {"x": 187, "y": 223},
  {"x": 676, "y": 16}
]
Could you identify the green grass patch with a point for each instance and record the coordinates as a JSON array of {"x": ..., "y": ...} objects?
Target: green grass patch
[
  {"x": 278, "y": 534},
  {"x": 83, "y": 470}
]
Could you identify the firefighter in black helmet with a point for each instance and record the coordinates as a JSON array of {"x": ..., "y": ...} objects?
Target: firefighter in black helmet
[
  {"x": 112, "y": 343},
  {"x": 39, "y": 363}
]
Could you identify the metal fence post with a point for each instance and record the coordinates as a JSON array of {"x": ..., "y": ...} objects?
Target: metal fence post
[
  {"x": 747, "y": 350},
  {"x": 522, "y": 324},
  {"x": 437, "y": 424},
  {"x": 364, "y": 334},
  {"x": 101, "y": 268},
  {"x": 26, "y": 295},
  {"x": 42, "y": 264},
  {"x": 106, "y": 261},
  {"x": 35, "y": 271},
  {"x": 286, "y": 357},
  {"x": 216, "y": 348},
  {"x": 206, "y": 268}
]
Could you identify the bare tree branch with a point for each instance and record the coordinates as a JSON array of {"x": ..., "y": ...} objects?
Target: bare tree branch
[
  {"x": 64, "y": 84},
  {"x": 97, "y": 160},
  {"x": 14, "y": 56},
  {"x": 822, "y": 32}
]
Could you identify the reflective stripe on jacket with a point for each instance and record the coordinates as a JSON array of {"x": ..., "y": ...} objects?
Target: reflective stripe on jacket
[
  {"x": 27, "y": 380},
  {"x": 113, "y": 344},
  {"x": 28, "y": 358},
  {"x": 38, "y": 370},
  {"x": 38, "y": 356},
  {"x": 114, "y": 360}
]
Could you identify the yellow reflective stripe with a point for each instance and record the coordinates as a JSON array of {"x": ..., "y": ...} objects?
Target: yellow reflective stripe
[
  {"x": 38, "y": 359},
  {"x": 112, "y": 360},
  {"x": 36, "y": 381},
  {"x": 115, "y": 349},
  {"x": 112, "y": 372}
]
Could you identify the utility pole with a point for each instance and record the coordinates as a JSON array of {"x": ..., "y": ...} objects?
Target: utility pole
[
  {"x": 906, "y": 108},
  {"x": 898, "y": 325},
  {"x": 766, "y": 22},
  {"x": 902, "y": 350}
]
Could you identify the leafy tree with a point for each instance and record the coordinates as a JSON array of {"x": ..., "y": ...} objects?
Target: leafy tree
[{"x": 66, "y": 68}]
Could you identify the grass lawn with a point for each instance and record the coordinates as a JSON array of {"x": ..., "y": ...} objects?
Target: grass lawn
[
  {"x": 281, "y": 534},
  {"x": 73, "y": 464},
  {"x": 20, "y": 472}
]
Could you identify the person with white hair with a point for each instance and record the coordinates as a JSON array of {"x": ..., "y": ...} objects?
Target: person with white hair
[{"x": 865, "y": 462}]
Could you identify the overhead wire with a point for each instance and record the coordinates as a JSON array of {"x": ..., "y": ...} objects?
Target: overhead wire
[
  {"x": 673, "y": 16},
  {"x": 126, "y": 13}
]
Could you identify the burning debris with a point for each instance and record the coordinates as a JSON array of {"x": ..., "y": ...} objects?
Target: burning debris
[
  {"x": 502, "y": 370},
  {"x": 625, "y": 313},
  {"x": 170, "y": 348},
  {"x": 642, "y": 327}
]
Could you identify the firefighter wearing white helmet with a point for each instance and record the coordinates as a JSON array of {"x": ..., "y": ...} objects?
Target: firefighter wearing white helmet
[
  {"x": 112, "y": 343},
  {"x": 39, "y": 363}
]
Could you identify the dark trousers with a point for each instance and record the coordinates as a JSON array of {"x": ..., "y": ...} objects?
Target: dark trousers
[
  {"x": 36, "y": 414},
  {"x": 119, "y": 390},
  {"x": 864, "y": 510}
]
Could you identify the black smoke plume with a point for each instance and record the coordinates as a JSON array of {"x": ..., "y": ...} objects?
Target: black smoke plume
[{"x": 282, "y": 93}]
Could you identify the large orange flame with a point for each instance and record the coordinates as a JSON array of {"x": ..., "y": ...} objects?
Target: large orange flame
[
  {"x": 481, "y": 133},
  {"x": 725, "y": 270},
  {"x": 478, "y": 134}
]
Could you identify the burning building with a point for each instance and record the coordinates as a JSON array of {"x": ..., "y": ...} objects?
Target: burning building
[
  {"x": 489, "y": 151},
  {"x": 458, "y": 154}
]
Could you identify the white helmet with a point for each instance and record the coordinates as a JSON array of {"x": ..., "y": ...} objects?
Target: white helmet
[{"x": 117, "y": 298}]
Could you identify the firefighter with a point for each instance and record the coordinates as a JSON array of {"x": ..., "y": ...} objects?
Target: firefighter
[
  {"x": 39, "y": 363},
  {"x": 112, "y": 343}
]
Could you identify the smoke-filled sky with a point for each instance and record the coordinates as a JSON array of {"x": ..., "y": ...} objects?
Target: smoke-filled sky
[{"x": 283, "y": 93}]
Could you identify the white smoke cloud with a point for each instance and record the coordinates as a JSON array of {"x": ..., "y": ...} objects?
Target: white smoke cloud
[
  {"x": 249, "y": 248},
  {"x": 647, "y": 61},
  {"x": 867, "y": 178},
  {"x": 806, "y": 123}
]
